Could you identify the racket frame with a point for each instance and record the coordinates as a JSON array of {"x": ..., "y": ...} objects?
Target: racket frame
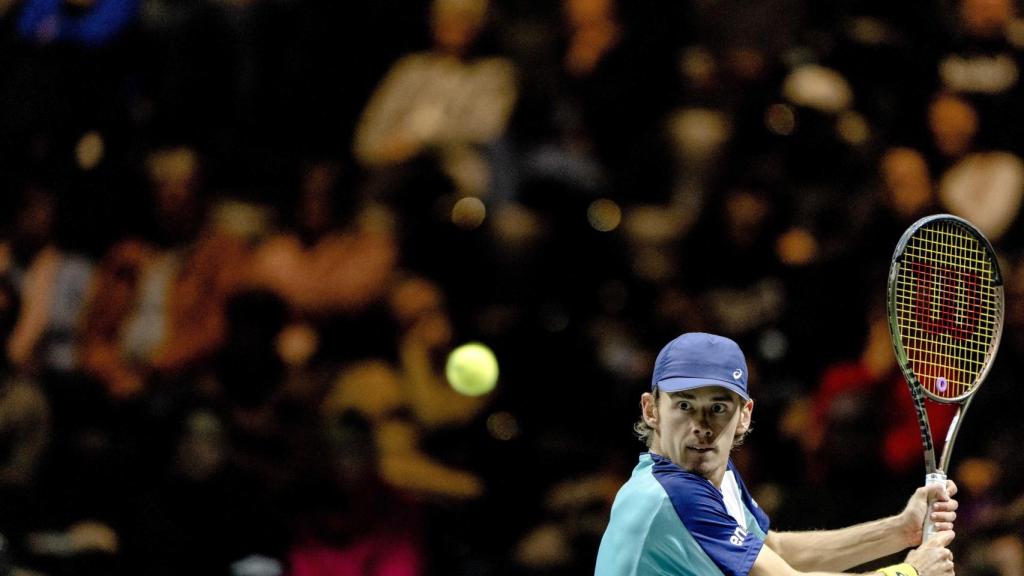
[{"x": 936, "y": 472}]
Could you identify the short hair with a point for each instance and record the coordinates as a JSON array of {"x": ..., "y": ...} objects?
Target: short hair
[
  {"x": 645, "y": 433},
  {"x": 642, "y": 429}
]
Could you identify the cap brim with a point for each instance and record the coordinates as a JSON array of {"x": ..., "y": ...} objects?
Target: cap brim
[{"x": 683, "y": 384}]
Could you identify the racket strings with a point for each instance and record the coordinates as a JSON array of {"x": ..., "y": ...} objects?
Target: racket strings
[{"x": 947, "y": 309}]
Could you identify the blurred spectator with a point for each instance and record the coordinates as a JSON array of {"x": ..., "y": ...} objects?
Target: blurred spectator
[
  {"x": 347, "y": 520},
  {"x": 249, "y": 379},
  {"x": 318, "y": 265},
  {"x": 903, "y": 193},
  {"x": 576, "y": 516},
  {"x": 999, "y": 556},
  {"x": 748, "y": 39},
  {"x": 888, "y": 52},
  {"x": 448, "y": 101},
  {"x": 983, "y": 64},
  {"x": 427, "y": 337},
  {"x": 616, "y": 90},
  {"x": 953, "y": 123},
  {"x": 393, "y": 403},
  {"x": 27, "y": 438},
  {"x": 826, "y": 140},
  {"x": 910, "y": 193},
  {"x": 33, "y": 228},
  {"x": 26, "y": 421},
  {"x": 158, "y": 305},
  {"x": 55, "y": 287},
  {"x": 387, "y": 400},
  {"x": 982, "y": 185},
  {"x": 860, "y": 419},
  {"x": 186, "y": 76},
  {"x": 25, "y": 433},
  {"x": 738, "y": 282},
  {"x": 430, "y": 141},
  {"x": 204, "y": 513}
]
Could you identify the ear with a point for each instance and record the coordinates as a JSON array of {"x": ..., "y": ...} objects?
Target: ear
[
  {"x": 649, "y": 408},
  {"x": 745, "y": 414}
]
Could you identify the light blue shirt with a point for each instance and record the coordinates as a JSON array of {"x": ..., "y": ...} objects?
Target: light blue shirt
[{"x": 666, "y": 520}]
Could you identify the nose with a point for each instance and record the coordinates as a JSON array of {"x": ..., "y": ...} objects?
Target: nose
[{"x": 701, "y": 428}]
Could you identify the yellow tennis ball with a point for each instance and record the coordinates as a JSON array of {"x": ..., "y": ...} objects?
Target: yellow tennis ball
[{"x": 472, "y": 369}]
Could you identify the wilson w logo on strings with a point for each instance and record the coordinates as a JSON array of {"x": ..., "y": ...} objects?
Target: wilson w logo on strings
[{"x": 947, "y": 300}]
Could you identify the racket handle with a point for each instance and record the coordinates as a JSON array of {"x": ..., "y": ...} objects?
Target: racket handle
[{"x": 937, "y": 477}]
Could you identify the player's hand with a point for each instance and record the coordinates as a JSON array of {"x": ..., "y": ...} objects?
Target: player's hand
[
  {"x": 943, "y": 510},
  {"x": 933, "y": 558}
]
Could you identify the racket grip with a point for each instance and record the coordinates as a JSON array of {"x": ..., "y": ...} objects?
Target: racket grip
[{"x": 937, "y": 477}]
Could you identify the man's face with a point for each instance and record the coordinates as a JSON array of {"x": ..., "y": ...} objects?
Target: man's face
[{"x": 696, "y": 428}]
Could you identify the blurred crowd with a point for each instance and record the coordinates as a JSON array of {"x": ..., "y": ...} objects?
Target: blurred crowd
[{"x": 239, "y": 238}]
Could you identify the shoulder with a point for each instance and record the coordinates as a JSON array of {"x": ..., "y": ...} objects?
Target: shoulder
[
  {"x": 411, "y": 65},
  {"x": 641, "y": 487},
  {"x": 684, "y": 487}
]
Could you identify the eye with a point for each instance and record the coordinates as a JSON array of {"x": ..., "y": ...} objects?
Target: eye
[
  {"x": 719, "y": 408},
  {"x": 684, "y": 405}
]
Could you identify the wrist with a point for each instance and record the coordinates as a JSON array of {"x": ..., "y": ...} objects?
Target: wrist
[{"x": 899, "y": 570}]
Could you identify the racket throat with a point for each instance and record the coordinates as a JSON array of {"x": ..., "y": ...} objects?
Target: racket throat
[{"x": 947, "y": 445}]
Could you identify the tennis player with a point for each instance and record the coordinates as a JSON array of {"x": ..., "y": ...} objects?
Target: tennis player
[{"x": 686, "y": 511}]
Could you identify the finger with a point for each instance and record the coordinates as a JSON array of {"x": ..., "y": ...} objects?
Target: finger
[
  {"x": 938, "y": 516},
  {"x": 951, "y": 488},
  {"x": 937, "y": 492},
  {"x": 921, "y": 495},
  {"x": 941, "y": 526},
  {"x": 947, "y": 506}
]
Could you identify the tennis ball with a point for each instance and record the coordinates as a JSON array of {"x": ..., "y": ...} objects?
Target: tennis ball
[{"x": 472, "y": 369}]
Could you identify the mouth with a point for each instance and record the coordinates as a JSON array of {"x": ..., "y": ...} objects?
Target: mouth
[{"x": 700, "y": 449}]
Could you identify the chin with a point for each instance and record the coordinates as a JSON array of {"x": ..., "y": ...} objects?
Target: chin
[
  {"x": 702, "y": 469},
  {"x": 693, "y": 465},
  {"x": 701, "y": 465}
]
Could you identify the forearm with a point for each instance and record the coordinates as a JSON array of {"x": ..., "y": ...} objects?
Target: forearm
[
  {"x": 769, "y": 563},
  {"x": 840, "y": 549}
]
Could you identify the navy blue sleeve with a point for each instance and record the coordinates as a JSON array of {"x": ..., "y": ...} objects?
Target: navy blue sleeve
[{"x": 701, "y": 509}]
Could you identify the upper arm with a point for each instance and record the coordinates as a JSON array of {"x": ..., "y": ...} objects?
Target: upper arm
[
  {"x": 771, "y": 540},
  {"x": 769, "y": 563},
  {"x": 387, "y": 107}
]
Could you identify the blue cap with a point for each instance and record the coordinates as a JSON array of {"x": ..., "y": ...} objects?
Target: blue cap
[{"x": 696, "y": 360}]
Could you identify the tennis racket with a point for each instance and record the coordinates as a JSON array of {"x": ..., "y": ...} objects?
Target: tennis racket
[{"x": 946, "y": 319}]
